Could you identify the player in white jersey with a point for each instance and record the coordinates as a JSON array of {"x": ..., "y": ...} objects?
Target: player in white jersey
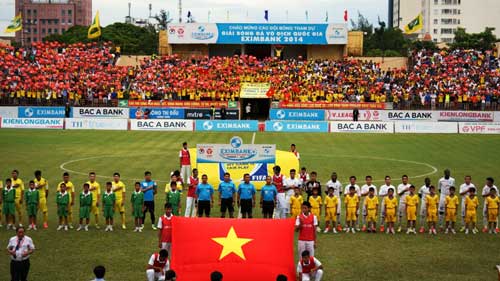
[
  {"x": 337, "y": 191},
  {"x": 444, "y": 184},
  {"x": 422, "y": 193},
  {"x": 365, "y": 189},
  {"x": 403, "y": 190},
  {"x": 290, "y": 184},
  {"x": 464, "y": 192},
  {"x": 384, "y": 189},
  {"x": 486, "y": 192},
  {"x": 352, "y": 181}
]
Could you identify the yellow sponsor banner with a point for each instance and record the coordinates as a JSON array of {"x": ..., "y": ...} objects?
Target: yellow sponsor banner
[
  {"x": 286, "y": 160},
  {"x": 254, "y": 90}
]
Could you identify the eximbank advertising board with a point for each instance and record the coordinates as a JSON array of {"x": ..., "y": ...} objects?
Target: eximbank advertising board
[{"x": 258, "y": 33}]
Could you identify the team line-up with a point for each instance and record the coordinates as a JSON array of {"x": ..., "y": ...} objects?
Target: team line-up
[{"x": 281, "y": 197}]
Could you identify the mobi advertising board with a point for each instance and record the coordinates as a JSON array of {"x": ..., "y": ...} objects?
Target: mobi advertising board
[{"x": 258, "y": 33}]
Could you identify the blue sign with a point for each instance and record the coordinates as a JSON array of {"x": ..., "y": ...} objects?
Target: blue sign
[
  {"x": 156, "y": 113},
  {"x": 41, "y": 112},
  {"x": 297, "y": 126},
  {"x": 297, "y": 114},
  {"x": 227, "y": 125},
  {"x": 257, "y": 33}
]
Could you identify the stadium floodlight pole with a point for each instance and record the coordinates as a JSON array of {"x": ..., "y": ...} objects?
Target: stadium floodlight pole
[{"x": 180, "y": 11}]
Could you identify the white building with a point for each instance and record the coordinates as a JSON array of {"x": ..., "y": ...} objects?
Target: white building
[{"x": 443, "y": 17}]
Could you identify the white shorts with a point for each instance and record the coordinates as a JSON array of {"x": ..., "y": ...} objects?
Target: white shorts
[
  {"x": 442, "y": 204},
  {"x": 401, "y": 209},
  {"x": 155, "y": 276},
  {"x": 185, "y": 172},
  {"x": 316, "y": 276},
  {"x": 382, "y": 208},
  {"x": 282, "y": 202},
  {"x": 306, "y": 245},
  {"x": 423, "y": 210},
  {"x": 462, "y": 207}
]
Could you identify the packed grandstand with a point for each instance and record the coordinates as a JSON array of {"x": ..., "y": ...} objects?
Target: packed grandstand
[{"x": 81, "y": 74}]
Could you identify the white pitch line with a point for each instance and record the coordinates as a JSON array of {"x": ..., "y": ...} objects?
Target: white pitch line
[
  {"x": 253, "y": 138},
  {"x": 434, "y": 169},
  {"x": 62, "y": 166}
]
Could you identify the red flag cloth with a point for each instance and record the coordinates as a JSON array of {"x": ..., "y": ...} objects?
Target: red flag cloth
[
  {"x": 270, "y": 93},
  {"x": 345, "y": 15},
  {"x": 241, "y": 249}
]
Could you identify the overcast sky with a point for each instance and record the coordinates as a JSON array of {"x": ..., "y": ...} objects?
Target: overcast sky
[{"x": 239, "y": 11}]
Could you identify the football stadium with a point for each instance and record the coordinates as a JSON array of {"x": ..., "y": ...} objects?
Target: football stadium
[{"x": 249, "y": 147}]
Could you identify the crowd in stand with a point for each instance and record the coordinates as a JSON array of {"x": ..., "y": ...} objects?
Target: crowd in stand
[{"x": 52, "y": 73}]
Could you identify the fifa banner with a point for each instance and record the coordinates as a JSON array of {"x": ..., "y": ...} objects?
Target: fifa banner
[
  {"x": 297, "y": 114},
  {"x": 41, "y": 112},
  {"x": 227, "y": 125},
  {"x": 96, "y": 124},
  {"x": 237, "y": 159},
  {"x": 8, "y": 111},
  {"x": 426, "y": 127},
  {"x": 33, "y": 123},
  {"x": 297, "y": 126},
  {"x": 408, "y": 115},
  {"x": 258, "y": 33},
  {"x": 346, "y": 115},
  {"x": 156, "y": 113},
  {"x": 100, "y": 112},
  {"x": 479, "y": 128},
  {"x": 362, "y": 127},
  {"x": 466, "y": 116},
  {"x": 161, "y": 125}
]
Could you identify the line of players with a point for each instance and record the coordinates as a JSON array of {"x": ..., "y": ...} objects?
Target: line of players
[
  {"x": 437, "y": 205},
  {"x": 14, "y": 198}
]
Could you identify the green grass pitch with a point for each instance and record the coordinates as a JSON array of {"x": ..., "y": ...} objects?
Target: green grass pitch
[{"x": 72, "y": 255}]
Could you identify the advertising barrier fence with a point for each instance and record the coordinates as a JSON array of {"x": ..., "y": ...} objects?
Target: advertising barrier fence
[
  {"x": 156, "y": 113},
  {"x": 362, "y": 127},
  {"x": 100, "y": 112},
  {"x": 296, "y": 126},
  {"x": 8, "y": 111},
  {"x": 478, "y": 128},
  {"x": 346, "y": 115},
  {"x": 162, "y": 125},
  {"x": 179, "y": 104},
  {"x": 297, "y": 114},
  {"x": 41, "y": 112},
  {"x": 33, "y": 123},
  {"x": 227, "y": 125},
  {"x": 192, "y": 113},
  {"x": 96, "y": 124},
  {"x": 426, "y": 127}
]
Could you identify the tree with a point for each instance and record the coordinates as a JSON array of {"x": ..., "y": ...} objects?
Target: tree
[
  {"x": 362, "y": 24},
  {"x": 132, "y": 39},
  {"x": 163, "y": 19},
  {"x": 482, "y": 41}
]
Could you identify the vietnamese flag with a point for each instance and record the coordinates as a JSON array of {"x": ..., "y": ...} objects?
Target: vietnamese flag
[
  {"x": 270, "y": 93},
  {"x": 241, "y": 249}
]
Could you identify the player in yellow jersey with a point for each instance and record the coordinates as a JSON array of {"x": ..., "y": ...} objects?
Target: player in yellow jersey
[
  {"x": 390, "y": 206},
  {"x": 352, "y": 205},
  {"x": 451, "y": 205},
  {"x": 471, "y": 204},
  {"x": 95, "y": 189},
  {"x": 331, "y": 204},
  {"x": 42, "y": 185},
  {"x": 18, "y": 185},
  {"x": 411, "y": 202},
  {"x": 296, "y": 202},
  {"x": 70, "y": 189},
  {"x": 118, "y": 187},
  {"x": 432, "y": 203},
  {"x": 492, "y": 204},
  {"x": 371, "y": 207},
  {"x": 316, "y": 202}
]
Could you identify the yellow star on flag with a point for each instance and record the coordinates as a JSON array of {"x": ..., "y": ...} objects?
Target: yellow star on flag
[{"x": 232, "y": 244}]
